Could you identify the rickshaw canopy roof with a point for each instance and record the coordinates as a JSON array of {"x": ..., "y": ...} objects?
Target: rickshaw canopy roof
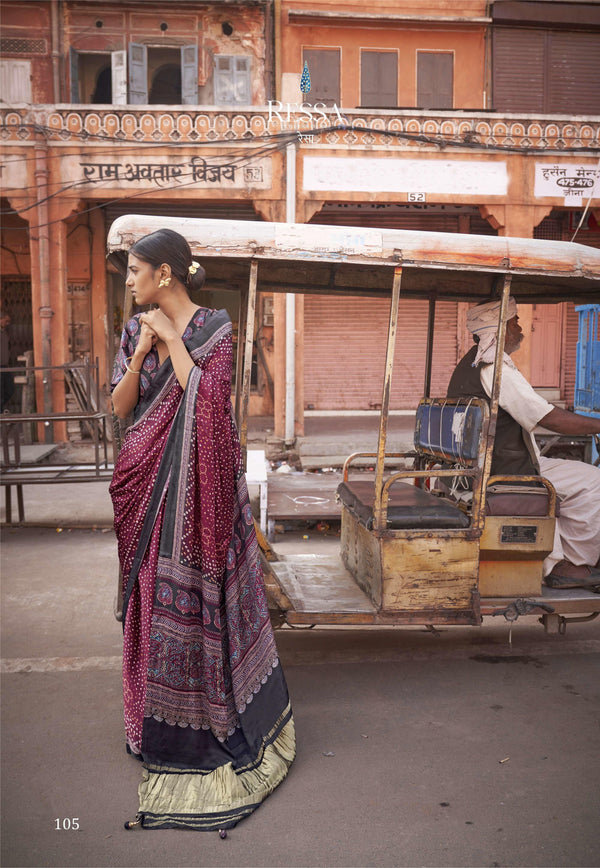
[{"x": 352, "y": 260}]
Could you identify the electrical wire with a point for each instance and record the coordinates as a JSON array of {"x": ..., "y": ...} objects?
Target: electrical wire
[
  {"x": 587, "y": 207},
  {"x": 275, "y": 142}
]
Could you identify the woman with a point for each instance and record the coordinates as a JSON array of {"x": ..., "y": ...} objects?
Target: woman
[{"x": 206, "y": 703}]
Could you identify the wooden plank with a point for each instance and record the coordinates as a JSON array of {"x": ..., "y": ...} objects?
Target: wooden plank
[
  {"x": 318, "y": 583},
  {"x": 429, "y": 572},
  {"x": 463, "y": 617},
  {"x": 303, "y": 496}
]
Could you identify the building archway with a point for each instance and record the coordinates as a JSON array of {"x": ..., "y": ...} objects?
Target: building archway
[
  {"x": 102, "y": 94},
  {"x": 166, "y": 85}
]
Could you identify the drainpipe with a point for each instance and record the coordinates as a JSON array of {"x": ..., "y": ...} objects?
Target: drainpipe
[
  {"x": 43, "y": 239},
  {"x": 55, "y": 10},
  {"x": 290, "y": 305},
  {"x": 487, "y": 58},
  {"x": 277, "y": 40}
]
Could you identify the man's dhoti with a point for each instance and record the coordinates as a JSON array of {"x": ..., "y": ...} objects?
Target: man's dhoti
[{"x": 577, "y": 534}]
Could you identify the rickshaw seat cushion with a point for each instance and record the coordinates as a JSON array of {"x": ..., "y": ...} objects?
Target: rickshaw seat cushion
[
  {"x": 517, "y": 500},
  {"x": 409, "y": 507},
  {"x": 447, "y": 430}
]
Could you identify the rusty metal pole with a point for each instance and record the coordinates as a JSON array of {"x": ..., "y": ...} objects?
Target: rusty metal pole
[
  {"x": 378, "y": 522},
  {"x": 249, "y": 338},
  {"x": 429, "y": 360},
  {"x": 479, "y": 496}
]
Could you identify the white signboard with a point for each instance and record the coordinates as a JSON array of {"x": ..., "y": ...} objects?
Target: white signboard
[
  {"x": 573, "y": 182},
  {"x": 143, "y": 171},
  {"x": 393, "y": 175}
]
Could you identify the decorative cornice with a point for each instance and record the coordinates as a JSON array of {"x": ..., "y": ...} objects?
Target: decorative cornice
[{"x": 385, "y": 130}]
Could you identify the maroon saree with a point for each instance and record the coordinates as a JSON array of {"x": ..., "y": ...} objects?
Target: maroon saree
[{"x": 206, "y": 703}]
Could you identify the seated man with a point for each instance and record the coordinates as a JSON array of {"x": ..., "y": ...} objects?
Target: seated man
[{"x": 574, "y": 560}]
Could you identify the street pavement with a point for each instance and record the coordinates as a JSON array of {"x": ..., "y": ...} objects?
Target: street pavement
[{"x": 414, "y": 748}]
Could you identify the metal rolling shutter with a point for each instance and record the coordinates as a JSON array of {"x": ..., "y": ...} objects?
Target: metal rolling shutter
[
  {"x": 571, "y": 333},
  {"x": 344, "y": 352},
  {"x": 574, "y": 73},
  {"x": 546, "y": 71},
  {"x": 518, "y": 70},
  {"x": 345, "y": 339},
  {"x": 182, "y": 208}
]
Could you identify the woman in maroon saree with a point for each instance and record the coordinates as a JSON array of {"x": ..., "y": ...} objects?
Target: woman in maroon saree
[{"x": 206, "y": 703}]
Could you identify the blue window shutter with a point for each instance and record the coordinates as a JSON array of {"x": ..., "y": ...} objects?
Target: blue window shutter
[
  {"x": 138, "y": 74},
  {"x": 189, "y": 74}
]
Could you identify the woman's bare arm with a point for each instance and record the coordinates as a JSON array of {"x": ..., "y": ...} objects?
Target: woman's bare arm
[{"x": 127, "y": 391}]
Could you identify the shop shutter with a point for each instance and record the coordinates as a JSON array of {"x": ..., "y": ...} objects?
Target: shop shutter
[
  {"x": 571, "y": 334},
  {"x": 546, "y": 71},
  {"x": 518, "y": 70},
  {"x": 574, "y": 73},
  {"x": 345, "y": 338},
  {"x": 427, "y": 218},
  {"x": 344, "y": 352},
  {"x": 208, "y": 210}
]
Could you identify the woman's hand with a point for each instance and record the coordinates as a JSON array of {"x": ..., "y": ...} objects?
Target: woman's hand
[
  {"x": 159, "y": 325},
  {"x": 146, "y": 341}
]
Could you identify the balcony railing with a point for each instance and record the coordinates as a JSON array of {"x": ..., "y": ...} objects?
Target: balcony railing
[{"x": 391, "y": 129}]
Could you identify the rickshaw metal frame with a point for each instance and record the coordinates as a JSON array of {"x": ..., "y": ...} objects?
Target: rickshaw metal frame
[{"x": 253, "y": 257}]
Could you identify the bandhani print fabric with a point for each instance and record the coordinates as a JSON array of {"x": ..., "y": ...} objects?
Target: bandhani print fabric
[{"x": 206, "y": 702}]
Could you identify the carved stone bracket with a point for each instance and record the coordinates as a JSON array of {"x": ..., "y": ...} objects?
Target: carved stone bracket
[{"x": 516, "y": 220}]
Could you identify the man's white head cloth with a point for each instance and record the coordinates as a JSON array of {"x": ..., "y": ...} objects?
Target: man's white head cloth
[{"x": 482, "y": 320}]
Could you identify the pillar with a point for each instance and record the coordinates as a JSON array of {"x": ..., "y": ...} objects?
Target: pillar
[
  {"x": 101, "y": 325},
  {"x": 279, "y": 364}
]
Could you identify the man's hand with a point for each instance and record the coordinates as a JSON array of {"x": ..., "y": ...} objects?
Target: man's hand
[{"x": 565, "y": 422}]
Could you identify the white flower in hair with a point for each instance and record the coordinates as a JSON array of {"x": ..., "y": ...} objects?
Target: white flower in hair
[{"x": 193, "y": 268}]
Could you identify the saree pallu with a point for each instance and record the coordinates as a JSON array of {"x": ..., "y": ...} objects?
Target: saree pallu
[{"x": 206, "y": 703}]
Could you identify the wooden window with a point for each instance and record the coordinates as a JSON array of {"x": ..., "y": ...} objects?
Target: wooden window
[
  {"x": 15, "y": 81},
  {"x": 189, "y": 74},
  {"x": 232, "y": 80},
  {"x": 435, "y": 80},
  {"x": 140, "y": 75},
  {"x": 378, "y": 79},
  {"x": 324, "y": 69},
  {"x": 119, "y": 77}
]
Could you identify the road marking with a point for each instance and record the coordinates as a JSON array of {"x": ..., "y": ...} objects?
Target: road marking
[{"x": 301, "y": 656}]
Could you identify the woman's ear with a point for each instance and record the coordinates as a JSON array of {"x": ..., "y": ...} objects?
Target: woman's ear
[{"x": 164, "y": 273}]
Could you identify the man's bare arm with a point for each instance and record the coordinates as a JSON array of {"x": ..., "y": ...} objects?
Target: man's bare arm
[{"x": 565, "y": 422}]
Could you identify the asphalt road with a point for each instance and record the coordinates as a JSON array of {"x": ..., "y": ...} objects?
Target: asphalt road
[{"x": 414, "y": 749}]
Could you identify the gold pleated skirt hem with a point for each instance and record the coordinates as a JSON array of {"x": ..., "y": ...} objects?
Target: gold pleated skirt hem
[{"x": 219, "y": 799}]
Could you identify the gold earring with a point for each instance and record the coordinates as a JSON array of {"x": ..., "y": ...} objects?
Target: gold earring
[{"x": 164, "y": 282}]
